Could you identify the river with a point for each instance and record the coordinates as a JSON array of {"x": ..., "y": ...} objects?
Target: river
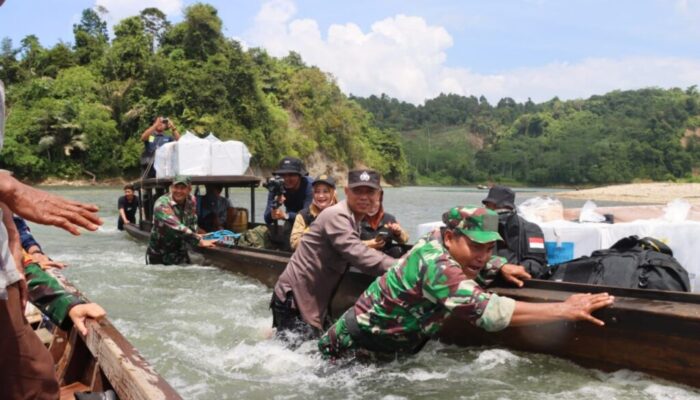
[{"x": 204, "y": 329}]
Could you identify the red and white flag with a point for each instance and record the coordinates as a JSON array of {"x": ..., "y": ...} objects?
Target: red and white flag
[{"x": 536, "y": 243}]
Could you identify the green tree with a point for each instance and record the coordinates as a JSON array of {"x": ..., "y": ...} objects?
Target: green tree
[
  {"x": 155, "y": 24},
  {"x": 90, "y": 37}
]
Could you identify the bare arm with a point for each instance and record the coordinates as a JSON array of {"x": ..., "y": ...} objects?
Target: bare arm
[
  {"x": 122, "y": 214},
  {"x": 578, "y": 307},
  {"x": 176, "y": 134},
  {"x": 46, "y": 208},
  {"x": 149, "y": 131}
]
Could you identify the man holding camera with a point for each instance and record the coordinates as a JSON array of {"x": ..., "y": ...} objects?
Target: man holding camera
[
  {"x": 152, "y": 139},
  {"x": 294, "y": 191}
]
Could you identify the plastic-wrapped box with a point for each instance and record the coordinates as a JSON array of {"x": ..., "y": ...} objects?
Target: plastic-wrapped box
[
  {"x": 200, "y": 157},
  {"x": 193, "y": 156},
  {"x": 229, "y": 158},
  {"x": 163, "y": 162}
]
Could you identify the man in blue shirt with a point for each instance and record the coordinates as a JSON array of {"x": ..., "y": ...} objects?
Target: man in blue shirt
[
  {"x": 213, "y": 210},
  {"x": 152, "y": 139}
]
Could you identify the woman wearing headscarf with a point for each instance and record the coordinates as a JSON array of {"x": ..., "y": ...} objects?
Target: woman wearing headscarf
[{"x": 324, "y": 196}]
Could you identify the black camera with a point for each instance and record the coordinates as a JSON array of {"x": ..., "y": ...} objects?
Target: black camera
[
  {"x": 165, "y": 121},
  {"x": 385, "y": 235},
  {"x": 275, "y": 185}
]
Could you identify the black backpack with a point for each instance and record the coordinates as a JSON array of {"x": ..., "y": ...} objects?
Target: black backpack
[{"x": 632, "y": 262}]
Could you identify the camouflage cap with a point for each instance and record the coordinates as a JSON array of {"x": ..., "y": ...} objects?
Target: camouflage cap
[
  {"x": 182, "y": 179},
  {"x": 478, "y": 223}
]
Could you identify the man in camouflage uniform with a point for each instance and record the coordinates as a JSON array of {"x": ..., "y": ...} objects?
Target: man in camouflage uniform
[
  {"x": 443, "y": 275},
  {"x": 174, "y": 225}
]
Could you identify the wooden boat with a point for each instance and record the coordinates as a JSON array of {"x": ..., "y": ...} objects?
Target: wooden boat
[
  {"x": 102, "y": 360},
  {"x": 649, "y": 331}
]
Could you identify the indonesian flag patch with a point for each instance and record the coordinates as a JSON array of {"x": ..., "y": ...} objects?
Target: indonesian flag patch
[{"x": 536, "y": 243}]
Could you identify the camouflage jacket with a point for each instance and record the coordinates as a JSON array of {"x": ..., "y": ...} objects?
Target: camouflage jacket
[
  {"x": 47, "y": 294},
  {"x": 413, "y": 298},
  {"x": 173, "y": 227}
]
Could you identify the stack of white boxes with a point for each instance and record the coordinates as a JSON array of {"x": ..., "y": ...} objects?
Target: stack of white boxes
[{"x": 201, "y": 157}]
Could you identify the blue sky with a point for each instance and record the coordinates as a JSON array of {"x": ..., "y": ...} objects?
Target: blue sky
[{"x": 414, "y": 50}]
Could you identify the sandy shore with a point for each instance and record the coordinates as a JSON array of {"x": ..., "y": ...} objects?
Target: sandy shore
[{"x": 655, "y": 193}]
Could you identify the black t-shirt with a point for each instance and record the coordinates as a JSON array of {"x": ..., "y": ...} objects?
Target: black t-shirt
[{"x": 129, "y": 209}]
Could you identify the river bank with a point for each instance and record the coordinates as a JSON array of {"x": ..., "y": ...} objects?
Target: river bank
[
  {"x": 639, "y": 193},
  {"x": 650, "y": 193},
  {"x": 57, "y": 182}
]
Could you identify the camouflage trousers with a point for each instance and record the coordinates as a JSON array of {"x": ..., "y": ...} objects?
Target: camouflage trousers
[
  {"x": 346, "y": 336},
  {"x": 174, "y": 258},
  {"x": 337, "y": 341}
]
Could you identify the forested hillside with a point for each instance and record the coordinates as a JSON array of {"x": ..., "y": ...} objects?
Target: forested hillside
[
  {"x": 78, "y": 109},
  {"x": 617, "y": 137}
]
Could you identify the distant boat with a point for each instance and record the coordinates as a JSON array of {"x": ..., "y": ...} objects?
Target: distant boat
[{"x": 482, "y": 187}]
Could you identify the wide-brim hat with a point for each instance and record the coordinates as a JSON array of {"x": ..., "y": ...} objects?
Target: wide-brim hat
[
  {"x": 501, "y": 196},
  {"x": 477, "y": 223},
  {"x": 364, "y": 177},
  {"x": 290, "y": 165}
]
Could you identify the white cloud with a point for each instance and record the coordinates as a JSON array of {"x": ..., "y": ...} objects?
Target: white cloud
[
  {"x": 120, "y": 9},
  {"x": 405, "y": 57},
  {"x": 580, "y": 80},
  {"x": 689, "y": 8}
]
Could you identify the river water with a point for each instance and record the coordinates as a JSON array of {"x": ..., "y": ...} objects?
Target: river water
[{"x": 205, "y": 329}]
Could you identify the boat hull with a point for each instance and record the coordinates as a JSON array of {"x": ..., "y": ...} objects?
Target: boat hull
[{"x": 101, "y": 360}]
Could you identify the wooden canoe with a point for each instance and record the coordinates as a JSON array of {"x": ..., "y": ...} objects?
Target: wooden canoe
[
  {"x": 102, "y": 360},
  {"x": 649, "y": 331}
]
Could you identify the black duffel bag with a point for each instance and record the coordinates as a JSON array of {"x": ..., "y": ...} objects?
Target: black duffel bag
[{"x": 632, "y": 262}]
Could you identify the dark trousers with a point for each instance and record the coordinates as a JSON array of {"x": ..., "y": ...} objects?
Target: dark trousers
[
  {"x": 291, "y": 327},
  {"x": 26, "y": 366}
]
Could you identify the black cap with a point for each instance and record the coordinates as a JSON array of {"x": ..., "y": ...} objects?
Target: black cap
[
  {"x": 364, "y": 177},
  {"x": 323, "y": 178},
  {"x": 501, "y": 196},
  {"x": 290, "y": 165}
]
